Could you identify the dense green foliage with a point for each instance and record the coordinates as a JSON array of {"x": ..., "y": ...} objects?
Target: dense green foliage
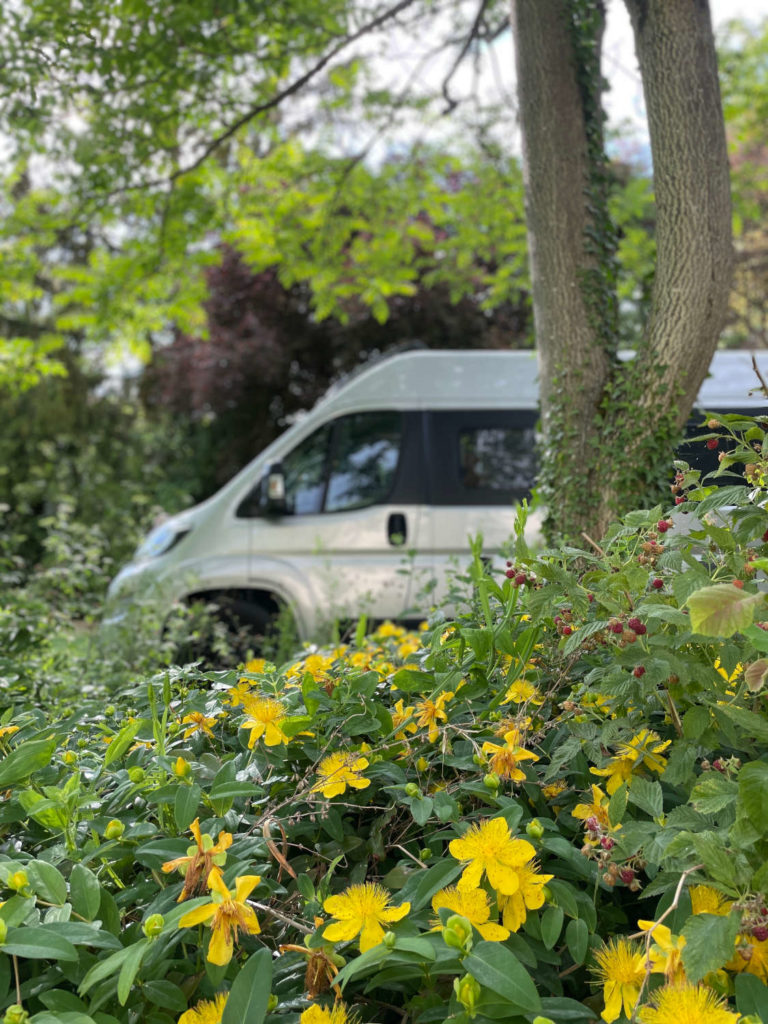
[{"x": 578, "y": 745}]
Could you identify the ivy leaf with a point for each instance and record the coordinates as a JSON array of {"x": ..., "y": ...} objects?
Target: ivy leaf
[
  {"x": 722, "y": 609},
  {"x": 709, "y": 943}
]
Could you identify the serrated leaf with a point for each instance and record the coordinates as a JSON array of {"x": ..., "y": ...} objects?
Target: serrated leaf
[
  {"x": 709, "y": 943},
  {"x": 582, "y": 633},
  {"x": 722, "y": 610},
  {"x": 753, "y": 792},
  {"x": 713, "y": 792},
  {"x": 647, "y": 796},
  {"x": 617, "y": 805}
]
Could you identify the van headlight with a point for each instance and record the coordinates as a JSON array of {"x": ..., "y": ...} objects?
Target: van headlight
[{"x": 161, "y": 540}]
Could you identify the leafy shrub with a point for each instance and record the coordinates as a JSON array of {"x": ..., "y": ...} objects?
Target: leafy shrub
[{"x": 549, "y": 805}]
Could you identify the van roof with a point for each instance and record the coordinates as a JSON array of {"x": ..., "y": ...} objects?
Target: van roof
[{"x": 482, "y": 378}]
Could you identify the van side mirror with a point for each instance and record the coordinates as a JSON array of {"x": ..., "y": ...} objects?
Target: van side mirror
[{"x": 274, "y": 492}]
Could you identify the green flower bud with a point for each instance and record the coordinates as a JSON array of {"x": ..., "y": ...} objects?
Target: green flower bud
[
  {"x": 457, "y": 933},
  {"x": 411, "y": 789},
  {"x": 719, "y": 982},
  {"x": 109, "y": 709},
  {"x": 15, "y": 1015},
  {"x": 173, "y": 728},
  {"x": 491, "y": 780},
  {"x": 478, "y": 759},
  {"x": 3, "y": 931},
  {"x": 468, "y": 993},
  {"x": 546, "y": 892},
  {"x": 69, "y": 757},
  {"x": 543, "y": 1020},
  {"x": 153, "y": 925},
  {"x": 425, "y": 854},
  {"x": 114, "y": 829},
  {"x": 82, "y": 744},
  {"x": 136, "y": 774},
  {"x": 389, "y": 940},
  {"x": 182, "y": 768},
  {"x": 534, "y": 829},
  {"x": 272, "y": 1002}
]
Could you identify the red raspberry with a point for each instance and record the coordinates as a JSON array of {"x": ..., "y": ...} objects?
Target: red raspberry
[
  {"x": 765, "y": 537},
  {"x": 718, "y": 765},
  {"x": 638, "y": 672},
  {"x": 616, "y": 627},
  {"x": 566, "y": 630},
  {"x": 712, "y": 443},
  {"x": 760, "y": 932},
  {"x": 593, "y": 824},
  {"x": 510, "y": 573},
  {"x": 521, "y": 579},
  {"x": 657, "y": 584},
  {"x": 637, "y": 626},
  {"x": 680, "y": 499},
  {"x": 608, "y": 844},
  {"x": 662, "y": 526},
  {"x": 739, "y": 584},
  {"x": 627, "y": 875}
]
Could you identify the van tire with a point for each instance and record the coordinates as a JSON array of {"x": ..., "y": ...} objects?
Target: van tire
[{"x": 251, "y": 626}]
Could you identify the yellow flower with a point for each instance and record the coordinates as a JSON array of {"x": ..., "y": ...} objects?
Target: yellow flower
[
  {"x": 504, "y": 760},
  {"x": 529, "y": 896},
  {"x": 200, "y": 859},
  {"x": 409, "y": 646},
  {"x": 518, "y": 724},
  {"x": 687, "y": 1004},
  {"x": 8, "y": 730},
  {"x": 197, "y": 722},
  {"x": 665, "y": 952},
  {"x": 553, "y": 789},
  {"x": 236, "y": 694},
  {"x": 733, "y": 675},
  {"x": 488, "y": 847},
  {"x": 255, "y": 666},
  {"x": 336, "y": 1014},
  {"x": 403, "y": 716},
  {"x": 228, "y": 914},
  {"x": 706, "y": 900},
  {"x": 339, "y": 770},
  {"x": 361, "y": 909},
  {"x": 621, "y": 970},
  {"x": 597, "y": 809},
  {"x": 751, "y": 957},
  {"x": 387, "y": 629},
  {"x": 472, "y": 904},
  {"x": 520, "y": 691},
  {"x": 643, "y": 750},
  {"x": 430, "y": 712},
  {"x": 317, "y": 665},
  {"x": 205, "y": 1012},
  {"x": 265, "y": 716}
]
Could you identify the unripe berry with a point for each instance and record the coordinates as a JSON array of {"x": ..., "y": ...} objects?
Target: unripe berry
[
  {"x": 739, "y": 584},
  {"x": 491, "y": 780},
  {"x": 607, "y": 843},
  {"x": 713, "y": 424}
]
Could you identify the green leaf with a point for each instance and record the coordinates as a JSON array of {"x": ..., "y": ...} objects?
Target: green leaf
[
  {"x": 647, "y": 796},
  {"x": 409, "y": 680},
  {"x": 577, "y": 940},
  {"x": 428, "y": 882},
  {"x": 103, "y": 969},
  {"x": 129, "y": 968},
  {"x": 751, "y": 996},
  {"x": 562, "y": 1009},
  {"x": 753, "y": 792},
  {"x": 38, "y": 943},
  {"x": 421, "y": 809},
  {"x": 754, "y": 726},
  {"x": 712, "y": 793},
  {"x": 250, "y": 991},
  {"x": 47, "y": 881},
  {"x": 496, "y": 968},
  {"x": 722, "y": 610},
  {"x": 709, "y": 943},
  {"x": 551, "y": 926},
  {"x": 718, "y": 861},
  {"x": 164, "y": 994},
  {"x": 24, "y": 760},
  {"x": 186, "y": 804},
  {"x": 366, "y": 962},
  {"x": 617, "y": 805},
  {"x": 122, "y": 741},
  {"x": 84, "y": 892}
]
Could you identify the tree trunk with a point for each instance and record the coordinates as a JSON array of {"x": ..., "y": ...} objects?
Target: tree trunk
[{"x": 609, "y": 425}]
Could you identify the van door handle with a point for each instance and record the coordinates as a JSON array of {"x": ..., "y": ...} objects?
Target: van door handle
[{"x": 397, "y": 530}]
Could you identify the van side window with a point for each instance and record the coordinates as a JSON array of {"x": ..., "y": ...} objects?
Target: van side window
[
  {"x": 305, "y": 473},
  {"x": 497, "y": 459},
  {"x": 365, "y": 453}
]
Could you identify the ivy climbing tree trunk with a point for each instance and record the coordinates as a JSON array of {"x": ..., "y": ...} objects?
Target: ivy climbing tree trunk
[{"x": 609, "y": 425}]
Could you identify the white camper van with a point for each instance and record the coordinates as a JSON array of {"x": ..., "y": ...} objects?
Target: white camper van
[{"x": 375, "y": 490}]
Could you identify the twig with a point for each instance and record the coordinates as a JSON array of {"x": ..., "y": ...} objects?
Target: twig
[
  {"x": 407, "y": 854},
  {"x": 16, "y": 976},
  {"x": 760, "y": 377},
  {"x": 266, "y": 909},
  {"x": 594, "y": 543},
  {"x": 648, "y": 965}
]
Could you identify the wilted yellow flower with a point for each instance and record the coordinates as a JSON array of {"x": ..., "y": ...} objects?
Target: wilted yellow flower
[
  {"x": 265, "y": 715},
  {"x": 430, "y": 712},
  {"x": 621, "y": 970},
  {"x": 686, "y": 1004},
  {"x": 643, "y": 750},
  {"x": 206, "y": 1012},
  {"x": 554, "y": 789},
  {"x": 361, "y": 910},
  {"x": 474, "y": 905},
  {"x": 199, "y": 860},
  {"x": 339, "y": 770},
  {"x": 528, "y": 896},
  {"x": 751, "y": 957},
  {"x": 198, "y": 722},
  {"x": 228, "y": 915},
  {"x": 403, "y": 716},
  {"x": 488, "y": 847},
  {"x": 665, "y": 952},
  {"x": 505, "y": 758}
]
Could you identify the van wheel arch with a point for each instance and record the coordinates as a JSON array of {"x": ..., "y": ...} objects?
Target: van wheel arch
[{"x": 250, "y": 614}]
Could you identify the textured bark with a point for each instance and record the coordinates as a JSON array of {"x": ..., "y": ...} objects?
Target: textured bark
[
  {"x": 613, "y": 419},
  {"x": 694, "y": 264}
]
